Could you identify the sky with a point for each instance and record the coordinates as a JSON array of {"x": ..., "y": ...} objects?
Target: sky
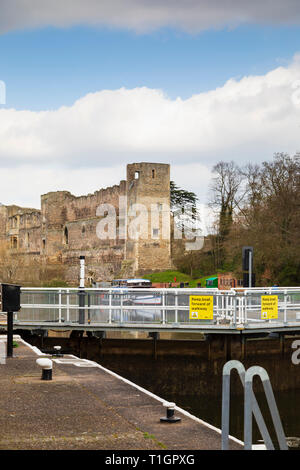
[{"x": 91, "y": 85}]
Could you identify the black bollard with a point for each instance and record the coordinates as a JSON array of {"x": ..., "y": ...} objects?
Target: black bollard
[
  {"x": 46, "y": 365},
  {"x": 170, "y": 410}
]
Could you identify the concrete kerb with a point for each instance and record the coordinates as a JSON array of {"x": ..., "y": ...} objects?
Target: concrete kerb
[{"x": 3, "y": 341}]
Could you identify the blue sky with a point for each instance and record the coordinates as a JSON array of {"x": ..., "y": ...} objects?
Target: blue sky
[
  {"x": 50, "y": 67},
  {"x": 93, "y": 85}
]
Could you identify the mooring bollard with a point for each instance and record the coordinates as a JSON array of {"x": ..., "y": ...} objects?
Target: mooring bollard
[
  {"x": 46, "y": 365},
  {"x": 57, "y": 352},
  {"x": 170, "y": 410}
]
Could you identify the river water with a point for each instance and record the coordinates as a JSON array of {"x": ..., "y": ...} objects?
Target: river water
[{"x": 210, "y": 411}]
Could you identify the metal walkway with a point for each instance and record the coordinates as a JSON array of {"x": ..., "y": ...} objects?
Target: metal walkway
[{"x": 158, "y": 309}]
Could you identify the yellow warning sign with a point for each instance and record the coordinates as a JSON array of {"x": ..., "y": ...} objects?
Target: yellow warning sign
[
  {"x": 201, "y": 307},
  {"x": 269, "y": 307}
]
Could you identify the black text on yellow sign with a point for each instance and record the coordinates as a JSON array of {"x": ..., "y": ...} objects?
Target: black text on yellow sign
[
  {"x": 201, "y": 307},
  {"x": 269, "y": 307}
]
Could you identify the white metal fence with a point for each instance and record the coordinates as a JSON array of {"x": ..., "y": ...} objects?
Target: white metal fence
[{"x": 111, "y": 306}]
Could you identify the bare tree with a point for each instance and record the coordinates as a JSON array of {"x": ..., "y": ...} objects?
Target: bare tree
[
  {"x": 226, "y": 195},
  {"x": 269, "y": 219},
  {"x": 10, "y": 263}
]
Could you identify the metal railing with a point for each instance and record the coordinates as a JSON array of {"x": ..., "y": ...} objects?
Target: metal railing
[
  {"x": 251, "y": 407},
  {"x": 111, "y": 306}
]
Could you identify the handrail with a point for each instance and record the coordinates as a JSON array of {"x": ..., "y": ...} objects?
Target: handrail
[
  {"x": 249, "y": 397},
  {"x": 250, "y": 406},
  {"x": 226, "y": 405},
  {"x": 233, "y": 308}
]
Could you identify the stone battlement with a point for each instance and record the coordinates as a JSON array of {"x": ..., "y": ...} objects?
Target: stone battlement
[{"x": 66, "y": 227}]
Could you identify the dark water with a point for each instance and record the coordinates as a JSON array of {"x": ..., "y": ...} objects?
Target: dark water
[{"x": 209, "y": 410}]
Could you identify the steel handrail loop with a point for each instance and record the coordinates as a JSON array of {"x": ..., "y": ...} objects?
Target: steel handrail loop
[
  {"x": 234, "y": 364},
  {"x": 250, "y": 406}
]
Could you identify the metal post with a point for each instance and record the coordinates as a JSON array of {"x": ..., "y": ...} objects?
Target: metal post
[
  {"x": 9, "y": 344},
  {"x": 250, "y": 268},
  {"x": 121, "y": 306},
  {"x": 176, "y": 305},
  {"x": 81, "y": 292},
  {"x": 234, "y": 307},
  {"x": 285, "y": 308},
  {"x": 223, "y": 314},
  {"x": 68, "y": 305},
  {"x": 109, "y": 311},
  {"x": 89, "y": 311},
  {"x": 59, "y": 306},
  {"x": 82, "y": 271}
]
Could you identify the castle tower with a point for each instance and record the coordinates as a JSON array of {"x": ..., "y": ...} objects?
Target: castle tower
[{"x": 148, "y": 243}]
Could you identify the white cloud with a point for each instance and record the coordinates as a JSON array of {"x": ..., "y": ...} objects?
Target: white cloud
[
  {"x": 25, "y": 184},
  {"x": 145, "y": 15},
  {"x": 86, "y": 146}
]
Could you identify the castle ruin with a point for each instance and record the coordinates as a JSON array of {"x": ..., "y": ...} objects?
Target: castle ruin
[{"x": 67, "y": 227}]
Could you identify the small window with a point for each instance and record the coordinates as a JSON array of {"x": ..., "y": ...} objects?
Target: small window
[
  {"x": 153, "y": 173},
  {"x": 83, "y": 230},
  {"x": 155, "y": 232},
  {"x": 136, "y": 175},
  {"x": 44, "y": 243},
  {"x": 66, "y": 236},
  {"x": 159, "y": 207}
]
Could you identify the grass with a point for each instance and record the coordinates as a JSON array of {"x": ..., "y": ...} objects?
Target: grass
[
  {"x": 55, "y": 283},
  {"x": 169, "y": 275},
  {"x": 154, "y": 439}
]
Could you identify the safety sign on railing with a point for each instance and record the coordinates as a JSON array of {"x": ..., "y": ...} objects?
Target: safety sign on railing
[
  {"x": 201, "y": 307},
  {"x": 269, "y": 307}
]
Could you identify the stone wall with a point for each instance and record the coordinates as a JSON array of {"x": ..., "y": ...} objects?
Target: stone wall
[
  {"x": 149, "y": 186},
  {"x": 66, "y": 227}
]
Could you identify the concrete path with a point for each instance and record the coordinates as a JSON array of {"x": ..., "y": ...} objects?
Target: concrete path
[{"x": 87, "y": 408}]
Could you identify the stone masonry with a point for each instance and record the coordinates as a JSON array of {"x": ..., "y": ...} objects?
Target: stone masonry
[{"x": 67, "y": 227}]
